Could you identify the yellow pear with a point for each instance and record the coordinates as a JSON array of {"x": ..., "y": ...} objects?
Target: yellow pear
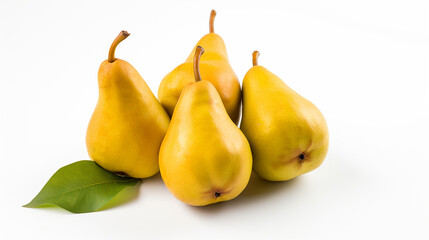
[
  {"x": 287, "y": 133},
  {"x": 204, "y": 157},
  {"x": 128, "y": 124},
  {"x": 214, "y": 68}
]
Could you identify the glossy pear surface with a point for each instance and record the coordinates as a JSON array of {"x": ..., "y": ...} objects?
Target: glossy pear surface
[
  {"x": 128, "y": 124},
  {"x": 214, "y": 67},
  {"x": 204, "y": 157},
  {"x": 287, "y": 133}
]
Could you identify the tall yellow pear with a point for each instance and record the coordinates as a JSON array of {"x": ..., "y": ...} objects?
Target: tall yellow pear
[
  {"x": 214, "y": 67},
  {"x": 204, "y": 157},
  {"x": 287, "y": 133},
  {"x": 128, "y": 124}
]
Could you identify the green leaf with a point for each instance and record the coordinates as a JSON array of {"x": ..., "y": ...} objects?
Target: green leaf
[{"x": 81, "y": 187}]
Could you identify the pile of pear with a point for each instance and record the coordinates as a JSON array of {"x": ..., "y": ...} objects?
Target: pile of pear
[{"x": 190, "y": 133}]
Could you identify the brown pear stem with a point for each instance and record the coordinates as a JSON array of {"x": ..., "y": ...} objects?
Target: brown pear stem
[
  {"x": 198, "y": 52},
  {"x": 211, "y": 23},
  {"x": 122, "y": 35},
  {"x": 255, "y": 56}
]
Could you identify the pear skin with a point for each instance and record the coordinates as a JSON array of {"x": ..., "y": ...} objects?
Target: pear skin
[
  {"x": 128, "y": 124},
  {"x": 287, "y": 133},
  {"x": 214, "y": 67},
  {"x": 204, "y": 157}
]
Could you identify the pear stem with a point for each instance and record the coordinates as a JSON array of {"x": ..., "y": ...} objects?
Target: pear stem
[
  {"x": 211, "y": 23},
  {"x": 122, "y": 35},
  {"x": 255, "y": 56},
  {"x": 198, "y": 52}
]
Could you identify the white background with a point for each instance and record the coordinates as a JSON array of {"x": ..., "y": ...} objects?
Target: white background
[{"x": 363, "y": 63}]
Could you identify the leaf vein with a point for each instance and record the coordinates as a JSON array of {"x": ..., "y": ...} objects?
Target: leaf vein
[{"x": 76, "y": 189}]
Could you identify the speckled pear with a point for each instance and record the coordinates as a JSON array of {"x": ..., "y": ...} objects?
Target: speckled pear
[
  {"x": 214, "y": 67},
  {"x": 287, "y": 133},
  {"x": 128, "y": 124},
  {"x": 204, "y": 157}
]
